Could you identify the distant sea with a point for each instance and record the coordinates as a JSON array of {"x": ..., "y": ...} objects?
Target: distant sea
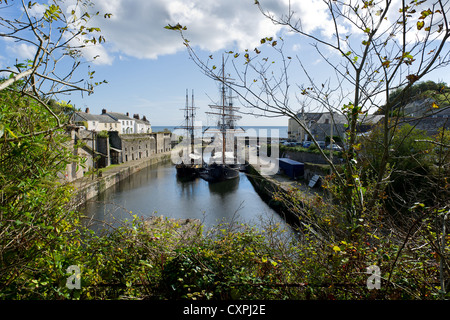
[{"x": 282, "y": 130}]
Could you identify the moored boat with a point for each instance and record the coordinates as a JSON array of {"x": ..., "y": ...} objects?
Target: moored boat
[
  {"x": 190, "y": 169},
  {"x": 223, "y": 164}
]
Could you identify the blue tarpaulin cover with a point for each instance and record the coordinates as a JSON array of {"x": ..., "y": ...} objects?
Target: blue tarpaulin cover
[{"x": 291, "y": 167}]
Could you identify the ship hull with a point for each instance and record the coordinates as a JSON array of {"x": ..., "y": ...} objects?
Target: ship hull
[
  {"x": 187, "y": 172},
  {"x": 217, "y": 173}
]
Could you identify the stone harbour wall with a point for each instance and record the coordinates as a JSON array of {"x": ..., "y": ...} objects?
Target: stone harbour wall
[{"x": 87, "y": 187}]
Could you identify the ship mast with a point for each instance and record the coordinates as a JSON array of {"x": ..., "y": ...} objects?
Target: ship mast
[
  {"x": 189, "y": 116},
  {"x": 225, "y": 112},
  {"x": 192, "y": 124}
]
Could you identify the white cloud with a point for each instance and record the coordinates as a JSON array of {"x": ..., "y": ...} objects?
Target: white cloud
[
  {"x": 136, "y": 27},
  {"x": 22, "y": 51},
  {"x": 296, "y": 47}
]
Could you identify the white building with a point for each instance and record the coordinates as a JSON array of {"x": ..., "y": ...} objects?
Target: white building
[
  {"x": 142, "y": 125},
  {"x": 96, "y": 122},
  {"x": 128, "y": 124},
  {"x": 322, "y": 124}
]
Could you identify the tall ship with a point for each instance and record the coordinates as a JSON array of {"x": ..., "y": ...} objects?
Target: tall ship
[
  {"x": 189, "y": 167},
  {"x": 223, "y": 164}
]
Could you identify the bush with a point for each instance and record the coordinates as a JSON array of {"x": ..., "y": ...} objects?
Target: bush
[{"x": 37, "y": 226}]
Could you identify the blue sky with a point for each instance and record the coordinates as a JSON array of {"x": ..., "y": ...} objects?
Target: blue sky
[{"x": 148, "y": 68}]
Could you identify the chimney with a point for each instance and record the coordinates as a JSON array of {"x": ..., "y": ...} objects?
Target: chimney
[
  {"x": 128, "y": 114},
  {"x": 87, "y": 110},
  {"x": 136, "y": 116},
  {"x": 144, "y": 118},
  {"x": 103, "y": 111}
]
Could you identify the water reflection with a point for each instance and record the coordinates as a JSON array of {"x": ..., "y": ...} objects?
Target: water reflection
[
  {"x": 157, "y": 191},
  {"x": 225, "y": 187}
]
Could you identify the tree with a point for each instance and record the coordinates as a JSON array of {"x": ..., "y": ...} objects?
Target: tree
[
  {"x": 54, "y": 34},
  {"x": 379, "y": 46},
  {"x": 438, "y": 92},
  {"x": 39, "y": 231},
  {"x": 372, "y": 49},
  {"x": 410, "y": 165}
]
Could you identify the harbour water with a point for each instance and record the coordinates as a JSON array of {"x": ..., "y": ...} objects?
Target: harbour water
[{"x": 156, "y": 191}]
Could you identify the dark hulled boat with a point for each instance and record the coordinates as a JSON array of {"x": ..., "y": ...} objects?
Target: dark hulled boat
[
  {"x": 223, "y": 165},
  {"x": 219, "y": 172},
  {"x": 189, "y": 169}
]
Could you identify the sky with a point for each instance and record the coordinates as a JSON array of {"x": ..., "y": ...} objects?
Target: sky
[{"x": 148, "y": 68}]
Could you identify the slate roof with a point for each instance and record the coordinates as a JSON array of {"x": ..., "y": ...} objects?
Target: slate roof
[
  {"x": 142, "y": 121},
  {"x": 83, "y": 116},
  {"x": 119, "y": 116},
  {"x": 430, "y": 125},
  {"x": 313, "y": 116}
]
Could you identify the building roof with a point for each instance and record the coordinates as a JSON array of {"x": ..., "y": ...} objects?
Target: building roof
[
  {"x": 338, "y": 118},
  {"x": 371, "y": 119},
  {"x": 119, "y": 116},
  {"x": 317, "y": 116},
  {"x": 83, "y": 116},
  {"x": 428, "y": 124},
  {"x": 310, "y": 116},
  {"x": 142, "y": 121}
]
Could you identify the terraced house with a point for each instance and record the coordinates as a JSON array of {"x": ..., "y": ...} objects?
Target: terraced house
[
  {"x": 128, "y": 124},
  {"x": 95, "y": 122},
  {"x": 111, "y": 138}
]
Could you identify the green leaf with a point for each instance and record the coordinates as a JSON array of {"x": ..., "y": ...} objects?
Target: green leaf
[
  {"x": 11, "y": 133},
  {"x": 425, "y": 14},
  {"x": 176, "y": 27},
  {"x": 420, "y": 25}
]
